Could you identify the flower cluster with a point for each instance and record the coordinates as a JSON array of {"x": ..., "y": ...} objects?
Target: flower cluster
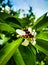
[
  {"x": 29, "y": 36},
  {"x": 6, "y": 9}
]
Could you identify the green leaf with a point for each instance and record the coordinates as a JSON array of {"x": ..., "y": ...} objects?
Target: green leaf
[
  {"x": 3, "y": 39},
  {"x": 8, "y": 50},
  {"x": 5, "y": 27},
  {"x": 41, "y": 22},
  {"x": 43, "y": 35},
  {"x": 24, "y": 22},
  {"x": 18, "y": 58},
  {"x": 4, "y": 15},
  {"x": 42, "y": 42},
  {"x": 13, "y": 22},
  {"x": 2, "y": 21},
  {"x": 40, "y": 48},
  {"x": 29, "y": 54}
]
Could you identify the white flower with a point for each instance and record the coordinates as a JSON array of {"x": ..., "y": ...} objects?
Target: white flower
[
  {"x": 29, "y": 36},
  {"x": 7, "y": 9}
]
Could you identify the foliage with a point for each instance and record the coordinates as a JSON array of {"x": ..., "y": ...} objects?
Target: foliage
[{"x": 12, "y": 52}]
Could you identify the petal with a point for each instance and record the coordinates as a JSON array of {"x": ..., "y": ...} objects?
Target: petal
[
  {"x": 25, "y": 43},
  {"x": 30, "y": 29},
  {"x": 32, "y": 33},
  {"x": 1, "y": 42},
  {"x": 34, "y": 30},
  {"x": 35, "y": 34},
  {"x": 33, "y": 42},
  {"x": 20, "y": 32}
]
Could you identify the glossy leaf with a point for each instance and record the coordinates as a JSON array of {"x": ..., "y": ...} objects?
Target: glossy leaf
[
  {"x": 24, "y": 22},
  {"x": 29, "y": 54},
  {"x": 41, "y": 22},
  {"x": 13, "y": 22},
  {"x": 4, "y": 15},
  {"x": 1, "y": 21},
  {"x": 43, "y": 35},
  {"x": 5, "y": 27},
  {"x": 42, "y": 42},
  {"x": 8, "y": 50},
  {"x": 3, "y": 39},
  {"x": 40, "y": 48},
  {"x": 18, "y": 58}
]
